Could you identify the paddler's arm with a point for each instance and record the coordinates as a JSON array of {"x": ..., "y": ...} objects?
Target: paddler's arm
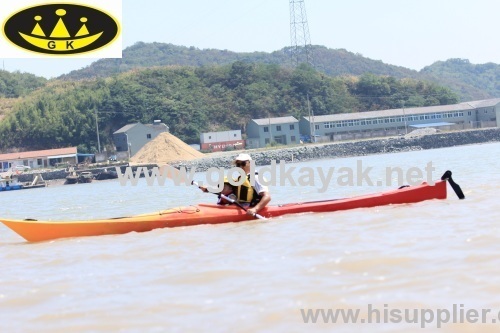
[{"x": 266, "y": 198}]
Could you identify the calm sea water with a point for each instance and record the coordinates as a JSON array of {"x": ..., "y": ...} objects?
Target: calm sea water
[{"x": 256, "y": 276}]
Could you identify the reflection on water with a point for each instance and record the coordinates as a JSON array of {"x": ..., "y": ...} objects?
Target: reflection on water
[{"x": 256, "y": 276}]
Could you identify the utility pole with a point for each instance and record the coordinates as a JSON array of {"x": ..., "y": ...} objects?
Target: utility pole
[
  {"x": 270, "y": 129},
  {"x": 404, "y": 115},
  {"x": 97, "y": 131},
  {"x": 311, "y": 121}
]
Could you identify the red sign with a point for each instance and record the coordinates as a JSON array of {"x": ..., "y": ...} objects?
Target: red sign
[{"x": 225, "y": 145}]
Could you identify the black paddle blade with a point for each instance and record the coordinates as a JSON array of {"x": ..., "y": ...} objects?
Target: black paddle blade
[{"x": 454, "y": 186}]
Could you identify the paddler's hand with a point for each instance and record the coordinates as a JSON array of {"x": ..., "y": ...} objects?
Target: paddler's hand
[
  {"x": 252, "y": 211},
  {"x": 203, "y": 188}
]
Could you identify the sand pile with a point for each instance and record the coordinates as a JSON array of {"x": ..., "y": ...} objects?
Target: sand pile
[
  {"x": 165, "y": 148},
  {"x": 421, "y": 132}
]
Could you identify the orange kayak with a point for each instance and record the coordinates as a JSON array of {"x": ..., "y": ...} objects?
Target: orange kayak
[{"x": 33, "y": 230}]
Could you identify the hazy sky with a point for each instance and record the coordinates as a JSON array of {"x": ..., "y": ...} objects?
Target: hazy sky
[{"x": 409, "y": 33}]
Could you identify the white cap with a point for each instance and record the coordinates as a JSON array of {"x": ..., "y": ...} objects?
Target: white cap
[{"x": 243, "y": 157}]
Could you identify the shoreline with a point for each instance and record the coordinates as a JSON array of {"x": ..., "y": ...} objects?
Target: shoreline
[
  {"x": 309, "y": 152},
  {"x": 350, "y": 148}
]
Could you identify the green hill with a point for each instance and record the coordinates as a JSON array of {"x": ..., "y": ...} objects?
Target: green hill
[
  {"x": 198, "y": 99},
  {"x": 16, "y": 84},
  {"x": 469, "y": 81},
  {"x": 462, "y": 76},
  {"x": 195, "y": 91},
  {"x": 140, "y": 55}
]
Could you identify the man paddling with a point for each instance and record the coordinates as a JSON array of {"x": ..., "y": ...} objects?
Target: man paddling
[{"x": 256, "y": 196}]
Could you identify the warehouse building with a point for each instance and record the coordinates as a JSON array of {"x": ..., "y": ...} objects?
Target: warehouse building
[
  {"x": 280, "y": 130},
  {"x": 348, "y": 126}
]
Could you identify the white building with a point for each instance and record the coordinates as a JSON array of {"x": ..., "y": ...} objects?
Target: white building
[
  {"x": 474, "y": 114},
  {"x": 40, "y": 158}
]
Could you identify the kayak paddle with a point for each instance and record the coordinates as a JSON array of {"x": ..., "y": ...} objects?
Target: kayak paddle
[
  {"x": 260, "y": 217},
  {"x": 454, "y": 186}
]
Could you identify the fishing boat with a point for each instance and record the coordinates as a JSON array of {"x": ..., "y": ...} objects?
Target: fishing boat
[
  {"x": 33, "y": 230},
  {"x": 106, "y": 174},
  {"x": 85, "y": 177},
  {"x": 72, "y": 177},
  {"x": 9, "y": 180}
]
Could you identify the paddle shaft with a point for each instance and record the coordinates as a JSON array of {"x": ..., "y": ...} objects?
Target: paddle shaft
[
  {"x": 260, "y": 217},
  {"x": 241, "y": 206}
]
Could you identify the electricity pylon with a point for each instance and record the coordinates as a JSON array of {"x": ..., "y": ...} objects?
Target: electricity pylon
[{"x": 299, "y": 33}]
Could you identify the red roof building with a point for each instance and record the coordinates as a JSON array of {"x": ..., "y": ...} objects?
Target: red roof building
[{"x": 39, "y": 158}]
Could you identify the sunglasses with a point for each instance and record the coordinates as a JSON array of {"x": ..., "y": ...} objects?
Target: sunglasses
[{"x": 240, "y": 163}]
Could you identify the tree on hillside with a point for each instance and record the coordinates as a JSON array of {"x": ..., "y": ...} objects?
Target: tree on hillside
[
  {"x": 16, "y": 84},
  {"x": 192, "y": 100}
]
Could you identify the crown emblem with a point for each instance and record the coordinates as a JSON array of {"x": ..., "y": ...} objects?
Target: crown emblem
[
  {"x": 59, "y": 38},
  {"x": 62, "y": 29}
]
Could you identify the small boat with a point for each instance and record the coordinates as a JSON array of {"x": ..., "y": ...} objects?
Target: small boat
[
  {"x": 106, "y": 174},
  {"x": 10, "y": 184},
  {"x": 33, "y": 230},
  {"x": 9, "y": 180},
  {"x": 72, "y": 177},
  {"x": 85, "y": 177}
]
